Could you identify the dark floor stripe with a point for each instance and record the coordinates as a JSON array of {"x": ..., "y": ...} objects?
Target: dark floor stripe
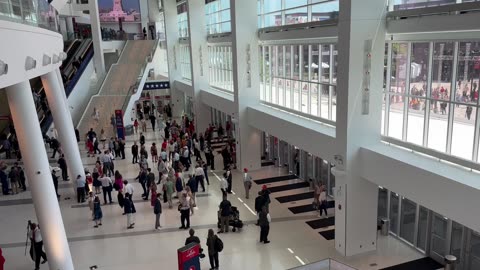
[
  {"x": 267, "y": 163},
  {"x": 288, "y": 187},
  {"x": 329, "y": 235},
  {"x": 15, "y": 202},
  {"x": 296, "y": 197},
  {"x": 275, "y": 179},
  {"x": 321, "y": 223},
  {"x": 308, "y": 208},
  {"x": 426, "y": 263}
]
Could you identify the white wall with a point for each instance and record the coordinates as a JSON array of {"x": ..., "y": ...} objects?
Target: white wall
[
  {"x": 314, "y": 137},
  {"x": 447, "y": 190},
  {"x": 80, "y": 96}
]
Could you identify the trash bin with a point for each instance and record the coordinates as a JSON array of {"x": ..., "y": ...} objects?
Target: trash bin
[
  {"x": 129, "y": 130},
  {"x": 385, "y": 225},
  {"x": 450, "y": 262}
]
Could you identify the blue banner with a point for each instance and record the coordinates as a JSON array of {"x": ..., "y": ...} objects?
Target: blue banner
[{"x": 119, "y": 124}]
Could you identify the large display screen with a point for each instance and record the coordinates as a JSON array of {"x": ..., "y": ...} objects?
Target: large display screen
[{"x": 113, "y": 10}]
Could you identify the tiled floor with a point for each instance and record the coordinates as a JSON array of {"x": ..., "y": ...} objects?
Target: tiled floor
[{"x": 114, "y": 247}]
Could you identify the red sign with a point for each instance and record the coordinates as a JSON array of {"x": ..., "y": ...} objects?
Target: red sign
[{"x": 188, "y": 257}]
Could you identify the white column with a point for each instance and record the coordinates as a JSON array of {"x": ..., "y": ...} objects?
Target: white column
[
  {"x": 199, "y": 59},
  {"x": 98, "y": 59},
  {"x": 24, "y": 114},
  {"x": 361, "y": 23},
  {"x": 63, "y": 123},
  {"x": 246, "y": 82},
  {"x": 70, "y": 29}
]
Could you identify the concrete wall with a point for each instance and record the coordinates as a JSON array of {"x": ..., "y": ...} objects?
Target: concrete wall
[{"x": 80, "y": 96}]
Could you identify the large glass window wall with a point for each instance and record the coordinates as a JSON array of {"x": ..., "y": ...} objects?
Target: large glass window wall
[
  {"x": 32, "y": 12},
  {"x": 220, "y": 67},
  {"x": 301, "y": 78},
  {"x": 431, "y": 98},
  {"x": 185, "y": 64},
  {"x": 286, "y": 12},
  {"x": 218, "y": 16},
  {"x": 182, "y": 18},
  {"x": 414, "y": 4}
]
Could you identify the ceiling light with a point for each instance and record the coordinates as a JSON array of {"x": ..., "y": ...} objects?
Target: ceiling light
[
  {"x": 62, "y": 56},
  {"x": 30, "y": 63},
  {"x": 55, "y": 59},
  {"x": 47, "y": 60},
  {"x": 3, "y": 68}
]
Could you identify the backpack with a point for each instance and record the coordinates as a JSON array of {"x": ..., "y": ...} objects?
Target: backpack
[{"x": 218, "y": 244}]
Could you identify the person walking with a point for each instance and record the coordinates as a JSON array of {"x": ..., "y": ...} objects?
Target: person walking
[
  {"x": 106, "y": 188},
  {"x": 97, "y": 184},
  {"x": 200, "y": 176},
  {"x": 228, "y": 176},
  {"x": 185, "y": 208},
  {"x": 224, "y": 186},
  {"x": 150, "y": 180},
  {"x": 121, "y": 148},
  {"x": 55, "y": 182},
  {"x": 157, "y": 210},
  {"x": 36, "y": 249},
  {"x": 169, "y": 189},
  {"x": 162, "y": 169},
  {"x": 4, "y": 179},
  {"x": 134, "y": 152},
  {"x": 14, "y": 179},
  {"x": 97, "y": 212},
  {"x": 225, "y": 210},
  {"x": 154, "y": 153},
  {"x": 62, "y": 163},
  {"x": 264, "y": 220},
  {"x": 259, "y": 204},
  {"x": 153, "y": 121},
  {"x": 323, "y": 202},
  {"x": 247, "y": 182},
  {"x": 215, "y": 245},
  {"x": 113, "y": 123},
  {"x": 129, "y": 209},
  {"x": 80, "y": 189},
  {"x": 128, "y": 187}
]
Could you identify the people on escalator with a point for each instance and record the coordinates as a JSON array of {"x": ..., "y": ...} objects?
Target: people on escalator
[{"x": 76, "y": 63}]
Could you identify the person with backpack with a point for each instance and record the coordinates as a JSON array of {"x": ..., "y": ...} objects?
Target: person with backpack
[
  {"x": 225, "y": 210},
  {"x": 247, "y": 182},
  {"x": 215, "y": 246}
]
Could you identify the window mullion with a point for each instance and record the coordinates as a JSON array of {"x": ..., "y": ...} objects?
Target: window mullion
[
  {"x": 284, "y": 89},
  {"x": 264, "y": 74},
  {"x": 426, "y": 122},
  {"x": 309, "y": 99},
  {"x": 270, "y": 72},
  {"x": 406, "y": 94},
  {"x": 292, "y": 68},
  {"x": 387, "y": 90},
  {"x": 451, "y": 115},
  {"x": 330, "y": 80}
]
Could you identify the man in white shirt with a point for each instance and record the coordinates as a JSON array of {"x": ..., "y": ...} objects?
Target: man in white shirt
[
  {"x": 176, "y": 161},
  {"x": 81, "y": 189},
  {"x": 107, "y": 188},
  {"x": 36, "y": 249},
  {"x": 164, "y": 155},
  {"x": 199, "y": 176},
  {"x": 247, "y": 182},
  {"x": 185, "y": 158},
  {"x": 106, "y": 160},
  {"x": 128, "y": 187},
  {"x": 171, "y": 149}
]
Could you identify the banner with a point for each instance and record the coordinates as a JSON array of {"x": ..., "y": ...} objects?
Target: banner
[
  {"x": 188, "y": 257},
  {"x": 119, "y": 124}
]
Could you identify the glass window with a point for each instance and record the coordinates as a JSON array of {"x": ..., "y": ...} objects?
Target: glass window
[
  {"x": 298, "y": 15},
  {"x": 399, "y": 68},
  {"x": 305, "y": 65},
  {"x": 305, "y": 92},
  {"x": 272, "y": 5},
  {"x": 419, "y": 69},
  {"x": 382, "y": 202},
  {"x": 324, "y": 11},
  {"x": 395, "y": 116},
  {"x": 439, "y": 234},
  {"x": 296, "y": 63},
  {"x": 288, "y": 61},
  {"x": 468, "y": 72},
  {"x": 442, "y": 70},
  {"x": 295, "y": 3},
  {"x": 221, "y": 72},
  {"x": 438, "y": 125},
  {"x": 407, "y": 223},
  {"x": 315, "y": 66},
  {"x": 314, "y": 99},
  {"x": 325, "y": 64},
  {"x": 416, "y": 118},
  {"x": 272, "y": 19},
  {"x": 463, "y": 131}
]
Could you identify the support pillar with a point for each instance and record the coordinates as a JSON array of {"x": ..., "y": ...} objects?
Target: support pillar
[
  {"x": 98, "y": 59},
  {"x": 199, "y": 61},
  {"x": 246, "y": 81},
  {"x": 63, "y": 123},
  {"x": 24, "y": 114},
  {"x": 361, "y": 31}
]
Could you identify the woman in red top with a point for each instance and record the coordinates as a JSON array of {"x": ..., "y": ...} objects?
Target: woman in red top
[{"x": 135, "y": 125}]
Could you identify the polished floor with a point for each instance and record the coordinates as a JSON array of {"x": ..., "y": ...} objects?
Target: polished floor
[{"x": 112, "y": 246}]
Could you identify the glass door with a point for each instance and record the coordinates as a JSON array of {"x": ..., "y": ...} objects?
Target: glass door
[
  {"x": 407, "y": 220},
  {"x": 438, "y": 237},
  {"x": 394, "y": 212},
  {"x": 473, "y": 255},
  {"x": 422, "y": 229},
  {"x": 382, "y": 202},
  {"x": 331, "y": 179},
  {"x": 457, "y": 243},
  {"x": 310, "y": 167}
]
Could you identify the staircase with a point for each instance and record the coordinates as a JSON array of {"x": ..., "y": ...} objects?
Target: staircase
[{"x": 123, "y": 79}]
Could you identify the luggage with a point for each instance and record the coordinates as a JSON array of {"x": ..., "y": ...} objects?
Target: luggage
[{"x": 234, "y": 221}]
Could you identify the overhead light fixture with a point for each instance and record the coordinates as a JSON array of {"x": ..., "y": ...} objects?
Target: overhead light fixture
[
  {"x": 62, "y": 56},
  {"x": 47, "y": 60},
  {"x": 30, "y": 63},
  {"x": 55, "y": 59},
  {"x": 3, "y": 68}
]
